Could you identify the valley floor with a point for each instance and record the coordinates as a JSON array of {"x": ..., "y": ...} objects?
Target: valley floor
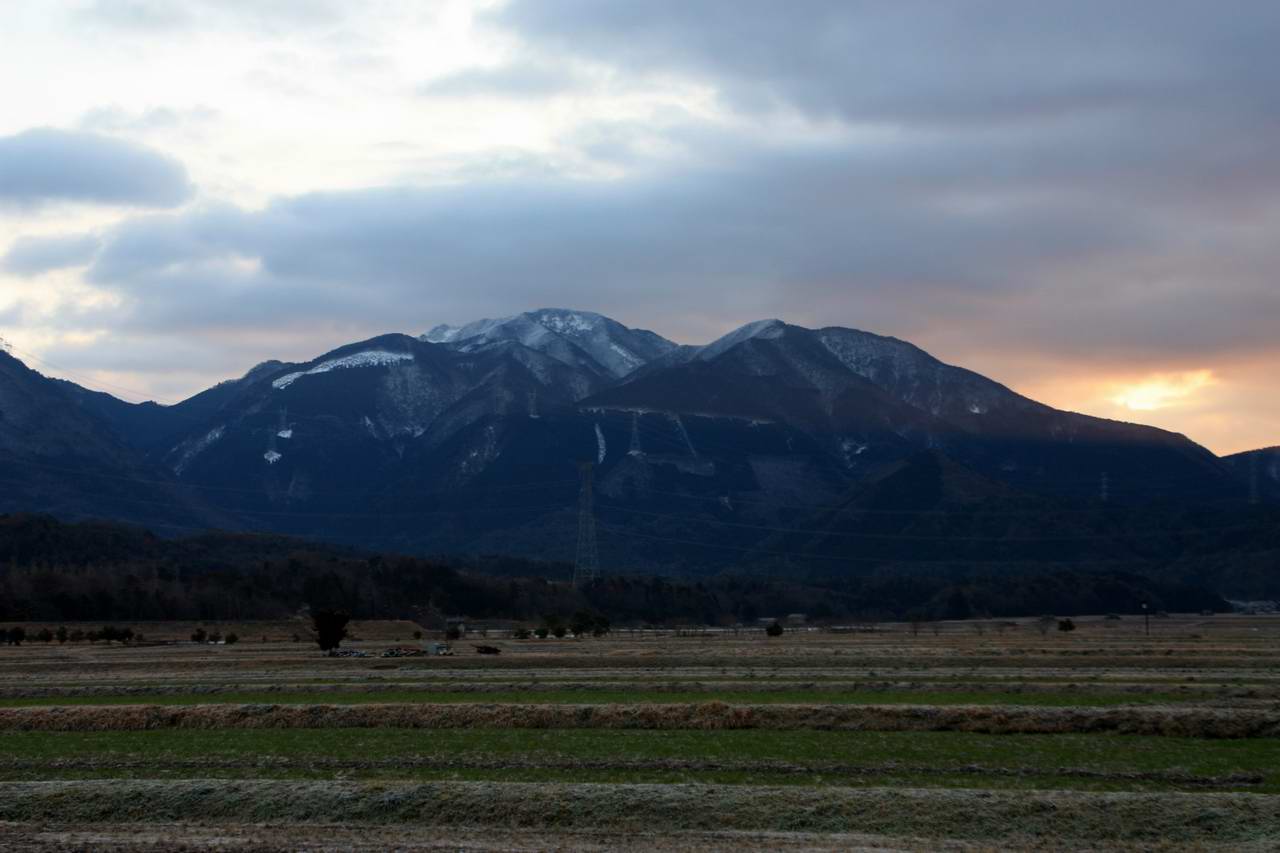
[{"x": 977, "y": 736}]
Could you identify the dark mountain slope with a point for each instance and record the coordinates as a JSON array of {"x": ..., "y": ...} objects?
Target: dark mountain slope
[
  {"x": 1258, "y": 472},
  {"x": 57, "y": 457}
]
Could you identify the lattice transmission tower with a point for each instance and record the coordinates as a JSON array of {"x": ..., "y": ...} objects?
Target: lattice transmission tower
[{"x": 586, "y": 565}]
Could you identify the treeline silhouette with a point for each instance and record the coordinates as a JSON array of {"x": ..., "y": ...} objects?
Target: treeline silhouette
[{"x": 51, "y": 571}]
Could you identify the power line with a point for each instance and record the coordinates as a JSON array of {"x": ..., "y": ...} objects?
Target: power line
[
  {"x": 854, "y": 510},
  {"x": 187, "y": 485},
  {"x": 882, "y": 560},
  {"x": 1118, "y": 536},
  {"x": 146, "y": 395}
]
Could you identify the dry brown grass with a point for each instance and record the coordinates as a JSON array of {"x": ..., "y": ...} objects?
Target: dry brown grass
[
  {"x": 1140, "y": 720},
  {"x": 1020, "y": 818}
]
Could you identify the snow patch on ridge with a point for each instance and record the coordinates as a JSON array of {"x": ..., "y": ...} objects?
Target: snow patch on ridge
[
  {"x": 369, "y": 358},
  {"x": 601, "y": 447},
  {"x": 766, "y": 329},
  {"x": 441, "y": 334},
  {"x": 272, "y": 457}
]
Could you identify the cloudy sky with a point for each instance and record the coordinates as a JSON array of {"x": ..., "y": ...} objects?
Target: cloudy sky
[{"x": 1080, "y": 199}]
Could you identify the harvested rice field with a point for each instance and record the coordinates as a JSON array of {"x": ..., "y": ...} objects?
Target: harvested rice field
[{"x": 967, "y": 736}]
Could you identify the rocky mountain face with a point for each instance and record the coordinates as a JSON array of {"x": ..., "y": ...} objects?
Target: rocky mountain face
[{"x": 754, "y": 450}]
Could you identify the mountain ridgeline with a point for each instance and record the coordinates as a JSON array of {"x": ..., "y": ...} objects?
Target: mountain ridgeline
[{"x": 775, "y": 450}]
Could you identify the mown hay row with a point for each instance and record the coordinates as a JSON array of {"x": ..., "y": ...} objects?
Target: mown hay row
[
  {"x": 764, "y": 768},
  {"x": 973, "y": 815},
  {"x": 1198, "y": 692},
  {"x": 1138, "y": 720}
]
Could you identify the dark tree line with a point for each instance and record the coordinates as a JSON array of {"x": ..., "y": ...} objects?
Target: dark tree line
[{"x": 56, "y": 572}]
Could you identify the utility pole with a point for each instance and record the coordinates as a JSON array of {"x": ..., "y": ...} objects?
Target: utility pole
[
  {"x": 1146, "y": 618},
  {"x": 586, "y": 566}
]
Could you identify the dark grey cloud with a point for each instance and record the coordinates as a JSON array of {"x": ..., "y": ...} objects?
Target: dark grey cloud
[
  {"x": 917, "y": 61},
  {"x": 46, "y": 164},
  {"x": 522, "y": 79},
  {"x": 913, "y": 240},
  {"x": 31, "y": 256}
]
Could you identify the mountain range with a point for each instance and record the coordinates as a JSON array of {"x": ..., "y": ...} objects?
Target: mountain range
[{"x": 775, "y": 448}]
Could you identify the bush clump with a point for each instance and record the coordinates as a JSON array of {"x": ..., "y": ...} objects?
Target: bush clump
[{"x": 330, "y": 627}]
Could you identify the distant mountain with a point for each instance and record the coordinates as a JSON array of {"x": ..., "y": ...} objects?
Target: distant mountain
[{"x": 774, "y": 448}]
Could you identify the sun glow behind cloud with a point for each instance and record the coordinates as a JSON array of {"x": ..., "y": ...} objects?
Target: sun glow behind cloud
[{"x": 1161, "y": 390}]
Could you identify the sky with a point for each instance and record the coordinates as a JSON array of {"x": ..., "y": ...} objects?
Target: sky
[{"x": 1078, "y": 199}]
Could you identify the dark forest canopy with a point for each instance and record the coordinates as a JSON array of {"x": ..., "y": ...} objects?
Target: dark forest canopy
[{"x": 55, "y": 571}]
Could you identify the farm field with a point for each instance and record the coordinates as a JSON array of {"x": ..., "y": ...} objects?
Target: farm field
[{"x": 959, "y": 736}]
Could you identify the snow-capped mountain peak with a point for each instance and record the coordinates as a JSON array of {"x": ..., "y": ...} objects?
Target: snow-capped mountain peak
[{"x": 577, "y": 338}]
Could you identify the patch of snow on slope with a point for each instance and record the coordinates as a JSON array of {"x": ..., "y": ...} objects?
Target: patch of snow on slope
[
  {"x": 285, "y": 433},
  {"x": 850, "y": 448},
  {"x": 369, "y": 358},
  {"x": 601, "y": 447},
  {"x": 198, "y": 446},
  {"x": 272, "y": 457},
  {"x": 627, "y": 356}
]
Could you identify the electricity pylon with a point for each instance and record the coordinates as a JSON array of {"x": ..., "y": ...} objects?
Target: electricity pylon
[{"x": 586, "y": 566}]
